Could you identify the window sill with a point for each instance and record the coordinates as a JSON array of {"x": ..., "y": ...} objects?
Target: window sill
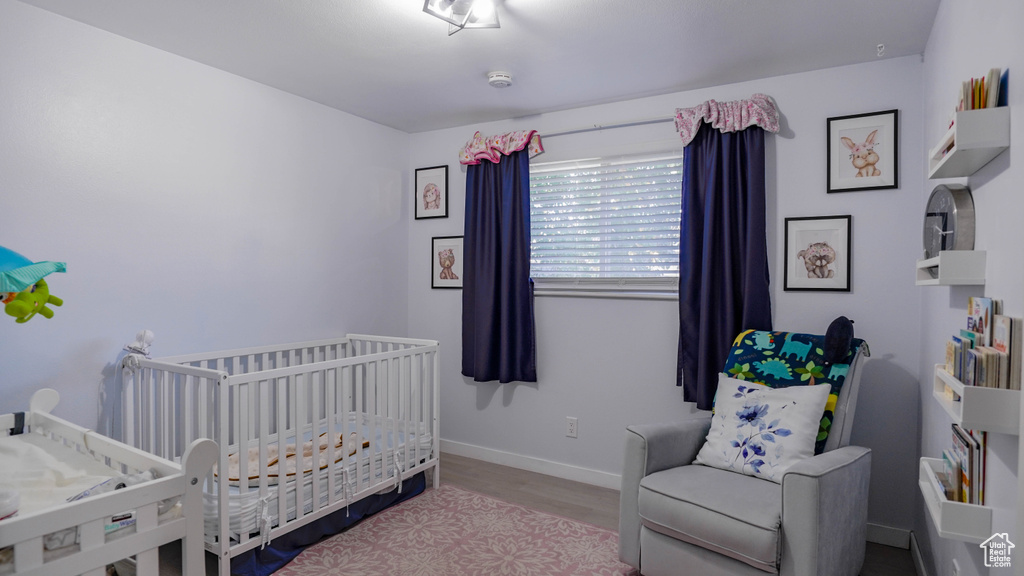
[
  {"x": 615, "y": 288},
  {"x": 611, "y": 294}
]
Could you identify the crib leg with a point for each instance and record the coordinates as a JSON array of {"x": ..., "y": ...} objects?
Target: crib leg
[
  {"x": 224, "y": 564},
  {"x": 437, "y": 475}
]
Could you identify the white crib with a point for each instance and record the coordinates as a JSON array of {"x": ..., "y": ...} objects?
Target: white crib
[
  {"x": 376, "y": 396},
  {"x": 28, "y": 534}
]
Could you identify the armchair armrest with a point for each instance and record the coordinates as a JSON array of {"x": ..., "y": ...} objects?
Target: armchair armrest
[
  {"x": 824, "y": 513},
  {"x": 651, "y": 448}
]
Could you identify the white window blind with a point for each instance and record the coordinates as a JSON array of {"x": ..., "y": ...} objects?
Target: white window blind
[{"x": 610, "y": 223}]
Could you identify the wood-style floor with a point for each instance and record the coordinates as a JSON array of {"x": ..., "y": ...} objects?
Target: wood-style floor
[
  {"x": 583, "y": 502},
  {"x": 599, "y": 506}
]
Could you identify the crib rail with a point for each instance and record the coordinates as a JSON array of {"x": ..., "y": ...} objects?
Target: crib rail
[{"x": 377, "y": 394}]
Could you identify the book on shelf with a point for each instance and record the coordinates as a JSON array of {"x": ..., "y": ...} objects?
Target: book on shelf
[
  {"x": 951, "y": 349},
  {"x": 979, "y": 439},
  {"x": 963, "y": 450},
  {"x": 988, "y": 91},
  {"x": 979, "y": 319},
  {"x": 963, "y": 343},
  {"x": 1006, "y": 338},
  {"x": 970, "y": 372},
  {"x": 950, "y": 472},
  {"x": 989, "y": 352},
  {"x": 1003, "y": 97}
]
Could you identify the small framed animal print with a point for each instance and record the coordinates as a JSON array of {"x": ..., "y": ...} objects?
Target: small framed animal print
[
  {"x": 431, "y": 193},
  {"x": 447, "y": 255},
  {"x": 818, "y": 254},
  {"x": 863, "y": 152}
]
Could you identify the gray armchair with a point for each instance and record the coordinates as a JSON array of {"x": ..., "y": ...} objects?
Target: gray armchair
[{"x": 678, "y": 518}]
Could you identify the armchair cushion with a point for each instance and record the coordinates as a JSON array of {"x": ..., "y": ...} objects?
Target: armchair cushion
[
  {"x": 781, "y": 359},
  {"x": 761, "y": 431},
  {"x": 731, "y": 514}
]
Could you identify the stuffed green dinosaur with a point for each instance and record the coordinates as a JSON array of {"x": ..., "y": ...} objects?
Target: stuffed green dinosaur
[{"x": 23, "y": 292}]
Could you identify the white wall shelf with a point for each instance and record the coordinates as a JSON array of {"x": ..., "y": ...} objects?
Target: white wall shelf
[
  {"x": 952, "y": 267},
  {"x": 979, "y": 408},
  {"x": 955, "y": 520},
  {"x": 977, "y": 136}
]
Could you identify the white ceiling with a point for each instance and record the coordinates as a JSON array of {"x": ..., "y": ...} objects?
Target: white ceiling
[{"x": 389, "y": 62}]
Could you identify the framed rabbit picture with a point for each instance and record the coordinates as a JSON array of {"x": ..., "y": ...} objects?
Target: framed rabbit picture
[
  {"x": 447, "y": 256},
  {"x": 863, "y": 152}
]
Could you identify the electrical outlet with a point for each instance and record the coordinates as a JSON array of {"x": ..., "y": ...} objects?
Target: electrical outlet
[
  {"x": 956, "y": 568},
  {"x": 570, "y": 427}
]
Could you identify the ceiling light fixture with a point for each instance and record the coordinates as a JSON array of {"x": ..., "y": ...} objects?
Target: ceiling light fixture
[{"x": 461, "y": 14}]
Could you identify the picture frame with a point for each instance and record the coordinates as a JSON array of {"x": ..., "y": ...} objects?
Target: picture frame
[
  {"x": 446, "y": 256},
  {"x": 863, "y": 152},
  {"x": 818, "y": 254},
  {"x": 430, "y": 194}
]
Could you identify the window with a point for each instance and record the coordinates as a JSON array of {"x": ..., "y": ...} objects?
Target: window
[{"x": 606, "y": 223}]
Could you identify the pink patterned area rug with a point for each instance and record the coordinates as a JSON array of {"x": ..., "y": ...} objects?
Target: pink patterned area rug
[{"x": 454, "y": 532}]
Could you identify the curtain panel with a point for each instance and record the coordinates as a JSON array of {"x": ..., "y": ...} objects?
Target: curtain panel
[
  {"x": 498, "y": 336},
  {"x": 723, "y": 255}
]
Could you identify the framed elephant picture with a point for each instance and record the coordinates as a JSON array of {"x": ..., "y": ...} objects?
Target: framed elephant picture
[
  {"x": 818, "y": 254},
  {"x": 863, "y": 152},
  {"x": 447, "y": 255}
]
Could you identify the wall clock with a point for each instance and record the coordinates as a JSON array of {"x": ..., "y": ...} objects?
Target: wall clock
[{"x": 948, "y": 220}]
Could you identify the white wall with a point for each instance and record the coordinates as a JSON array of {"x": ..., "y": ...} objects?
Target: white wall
[
  {"x": 611, "y": 363},
  {"x": 968, "y": 38},
  {"x": 215, "y": 211}
]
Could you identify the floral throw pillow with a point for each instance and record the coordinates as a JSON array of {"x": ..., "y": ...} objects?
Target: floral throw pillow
[{"x": 761, "y": 431}]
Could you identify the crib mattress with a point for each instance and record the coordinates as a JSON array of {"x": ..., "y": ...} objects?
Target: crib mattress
[{"x": 251, "y": 514}]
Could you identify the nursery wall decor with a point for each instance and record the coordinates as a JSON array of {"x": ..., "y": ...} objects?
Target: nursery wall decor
[
  {"x": 23, "y": 292},
  {"x": 863, "y": 151},
  {"x": 431, "y": 193},
  {"x": 818, "y": 253},
  {"x": 447, "y": 255}
]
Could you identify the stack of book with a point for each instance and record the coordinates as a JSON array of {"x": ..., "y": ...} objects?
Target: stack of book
[
  {"x": 989, "y": 91},
  {"x": 963, "y": 476},
  {"x": 988, "y": 352}
]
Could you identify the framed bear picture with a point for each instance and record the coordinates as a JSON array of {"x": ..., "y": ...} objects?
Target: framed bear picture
[
  {"x": 818, "y": 254},
  {"x": 447, "y": 255}
]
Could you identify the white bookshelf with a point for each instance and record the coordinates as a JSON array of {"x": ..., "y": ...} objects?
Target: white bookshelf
[
  {"x": 954, "y": 520},
  {"x": 979, "y": 408},
  {"x": 952, "y": 267},
  {"x": 977, "y": 136}
]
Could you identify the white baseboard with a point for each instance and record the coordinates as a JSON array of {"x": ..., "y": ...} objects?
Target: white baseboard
[
  {"x": 558, "y": 470},
  {"x": 895, "y": 537},
  {"x": 915, "y": 552}
]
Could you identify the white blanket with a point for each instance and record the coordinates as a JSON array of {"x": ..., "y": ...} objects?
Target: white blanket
[{"x": 46, "y": 473}]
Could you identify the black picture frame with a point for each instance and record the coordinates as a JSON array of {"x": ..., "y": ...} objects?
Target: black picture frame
[
  {"x": 851, "y": 141},
  {"x": 430, "y": 192},
  {"x": 445, "y": 273},
  {"x": 806, "y": 262}
]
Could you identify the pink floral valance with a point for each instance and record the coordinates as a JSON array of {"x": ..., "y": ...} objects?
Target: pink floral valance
[
  {"x": 758, "y": 110},
  {"x": 492, "y": 147}
]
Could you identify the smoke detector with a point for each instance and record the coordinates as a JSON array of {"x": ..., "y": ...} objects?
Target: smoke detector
[{"x": 499, "y": 79}]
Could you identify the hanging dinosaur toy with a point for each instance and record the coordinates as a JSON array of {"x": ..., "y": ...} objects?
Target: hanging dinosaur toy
[{"x": 23, "y": 292}]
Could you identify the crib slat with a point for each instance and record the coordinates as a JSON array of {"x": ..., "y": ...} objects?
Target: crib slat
[
  {"x": 282, "y": 442},
  {"x": 28, "y": 554},
  {"x": 315, "y": 380},
  {"x": 147, "y": 562}
]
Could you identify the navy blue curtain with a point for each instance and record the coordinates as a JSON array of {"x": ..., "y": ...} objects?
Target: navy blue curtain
[
  {"x": 723, "y": 255},
  {"x": 497, "y": 293}
]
